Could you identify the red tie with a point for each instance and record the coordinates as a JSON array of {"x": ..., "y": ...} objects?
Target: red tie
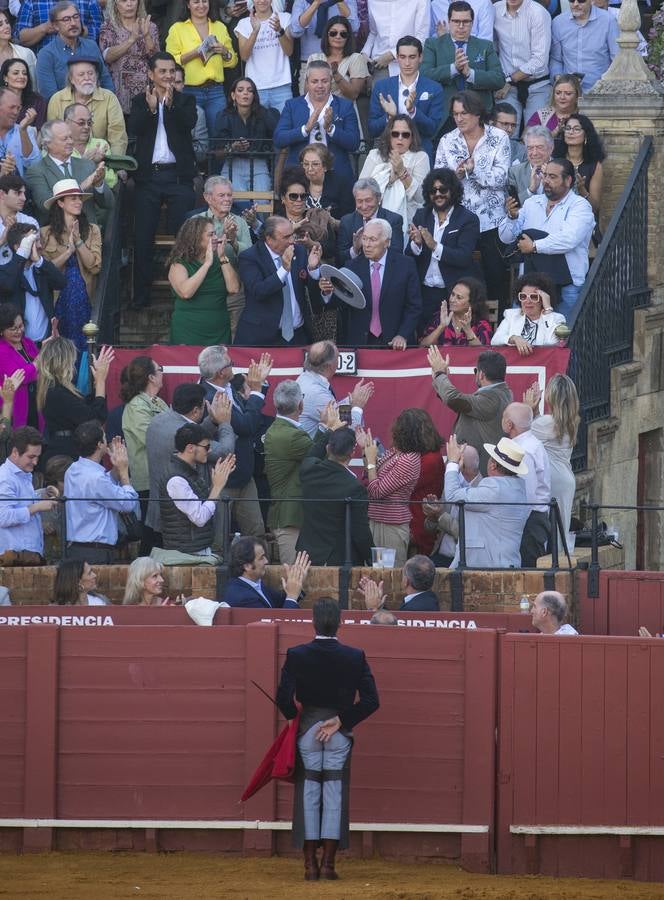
[{"x": 375, "y": 327}]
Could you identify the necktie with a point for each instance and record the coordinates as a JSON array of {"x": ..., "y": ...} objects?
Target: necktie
[
  {"x": 66, "y": 170},
  {"x": 460, "y": 79},
  {"x": 375, "y": 327},
  {"x": 286, "y": 323}
]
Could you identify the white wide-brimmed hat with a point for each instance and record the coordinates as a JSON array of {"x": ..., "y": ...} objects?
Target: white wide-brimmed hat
[
  {"x": 202, "y": 610},
  {"x": 66, "y": 187},
  {"x": 509, "y": 455}
]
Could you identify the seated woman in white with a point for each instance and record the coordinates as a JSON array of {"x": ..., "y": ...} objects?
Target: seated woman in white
[{"x": 533, "y": 323}]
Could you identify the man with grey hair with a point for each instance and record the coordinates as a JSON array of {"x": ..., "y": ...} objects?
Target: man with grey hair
[
  {"x": 367, "y": 194},
  {"x": 444, "y": 517},
  {"x": 274, "y": 273},
  {"x": 392, "y": 289},
  {"x": 517, "y": 422},
  {"x": 36, "y": 28},
  {"x": 417, "y": 579},
  {"x": 67, "y": 43},
  {"x": 83, "y": 87},
  {"x": 319, "y": 117},
  {"x": 216, "y": 368},
  {"x": 383, "y": 617},
  {"x": 548, "y": 612},
  {"x": 528, "y": 176},
  {"x": 58, "y": 163},
  {"x": 320, "y": 366},
  {"x": 17, "y": 139},
  {"x": 286, "y": 445},
  {"x": 218, "y": 194}
]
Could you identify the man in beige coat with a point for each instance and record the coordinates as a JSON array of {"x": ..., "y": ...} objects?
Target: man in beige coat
[{"x": 479, "y": 415}]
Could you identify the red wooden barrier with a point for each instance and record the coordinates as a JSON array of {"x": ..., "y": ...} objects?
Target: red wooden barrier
[
  {"x": 150, "y": 734},
  {"x": 581, "y": 737},
  {"x": 98, "y": 617},
  {"x": 627, "y": 600}
]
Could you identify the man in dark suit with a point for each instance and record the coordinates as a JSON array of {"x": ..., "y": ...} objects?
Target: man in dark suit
[
  {"x": 274, "y": 273},
  {"x": 325, "y": 476},
  {"x": 445, "y": 233},
  {"x": 459, "y": 62},
  {"x": 319, "y": 118},
  {"x": 367, "y": 196},
  {"x": 245, "y": 588},
  {"x": 392, "y": 290},
  {"x": 161, "y": 120},
  {"x": 325, "y": 676},
  {"x": 416, "y": 580},
  {"x": 59, "y": 164},
  {"x": 409, "y": 92},
  {"x": 216, "y": 368},
  {"x": 28, "y": 280}
]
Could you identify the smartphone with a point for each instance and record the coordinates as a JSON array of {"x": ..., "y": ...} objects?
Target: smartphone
[
  {"x": 345, "y": 413},
  {"x": 513, "y": 193}
]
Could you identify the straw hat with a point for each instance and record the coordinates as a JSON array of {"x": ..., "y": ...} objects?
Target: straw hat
[
  {"x": 509, "y": 455},
  {"x": 66, "y": 187}
]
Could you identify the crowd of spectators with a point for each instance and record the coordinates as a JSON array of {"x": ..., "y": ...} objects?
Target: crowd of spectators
[{"x": 434, "y": 151}]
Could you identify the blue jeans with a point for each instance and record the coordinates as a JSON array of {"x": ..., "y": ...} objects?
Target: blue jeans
[
  {"x": 276, "y": 97},
  {"x": 568, "y": 297},
  {"x": 242, "y": 172},
  {"x": 212, "y": 101}
]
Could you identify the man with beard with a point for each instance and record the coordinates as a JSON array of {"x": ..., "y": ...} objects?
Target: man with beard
[
  {"x": 568, "y": 221},
  {"x": 443, "y": 236}
]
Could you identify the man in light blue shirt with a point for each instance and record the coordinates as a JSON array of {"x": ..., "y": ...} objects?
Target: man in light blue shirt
[
  {"x": 20, "y": 505},
  {"x": 95, "y": 496},
  {"x": 584, "y": 41},
  {"x": 17, "y": 139}
]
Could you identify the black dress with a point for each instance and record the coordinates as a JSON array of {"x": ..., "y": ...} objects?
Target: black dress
[{"x": 63, "y": 412}]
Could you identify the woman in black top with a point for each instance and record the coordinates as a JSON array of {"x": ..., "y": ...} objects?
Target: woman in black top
[
  {"x": 62, "y": 406},
  {"x": 244, "y": 131}
]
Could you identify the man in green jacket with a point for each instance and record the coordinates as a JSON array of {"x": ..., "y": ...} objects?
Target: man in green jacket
[{"x": 286, "y": 445}]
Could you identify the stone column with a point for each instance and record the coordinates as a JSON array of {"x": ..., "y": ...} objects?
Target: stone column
[{"x": 625, "y": 105}]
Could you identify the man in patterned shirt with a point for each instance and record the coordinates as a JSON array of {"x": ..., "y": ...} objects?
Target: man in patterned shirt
[{"x": 35, "y": 26}]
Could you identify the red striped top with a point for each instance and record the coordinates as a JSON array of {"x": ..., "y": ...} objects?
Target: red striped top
[{"x": 398, "y": 473}]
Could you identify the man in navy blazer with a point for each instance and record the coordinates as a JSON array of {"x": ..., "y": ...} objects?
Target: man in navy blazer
[
  {"x": 324, "y": 676},
  {"x": 275, "y": 272},
  {"x": 409, "y": 92},
  {"x": 245, "y": 588},
  {"x": 445, "y": 231},
  {"x": 367, "y": 196},
  {"x": 319, "y": 118},
  {"x": 392, "y": 313},
  {"x": 417, "y": 580}
]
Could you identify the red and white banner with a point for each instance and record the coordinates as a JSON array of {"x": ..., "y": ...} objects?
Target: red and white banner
[{"x": 401, "y": 379}]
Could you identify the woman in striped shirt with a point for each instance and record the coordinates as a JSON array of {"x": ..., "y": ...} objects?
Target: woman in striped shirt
[{"x": 390, "y": 483}]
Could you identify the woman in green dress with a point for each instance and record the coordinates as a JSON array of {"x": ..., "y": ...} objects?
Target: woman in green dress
[{"x": 201, "y": 277}]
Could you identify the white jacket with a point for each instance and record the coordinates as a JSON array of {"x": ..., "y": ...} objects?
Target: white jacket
[{"x": 512, "y": 324}]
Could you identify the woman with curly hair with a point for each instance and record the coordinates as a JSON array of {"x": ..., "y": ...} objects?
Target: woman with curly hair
[
  {"x": 73, "y": 245},
  {"x": 201, "y": 277},
  {"x": 582, "y": 146},
  {"x": 399, "y": 165},
  {"x": 462, "y": 321},
  {"x": 140, "y": 394},
  {"x": 391, "y": 481}
]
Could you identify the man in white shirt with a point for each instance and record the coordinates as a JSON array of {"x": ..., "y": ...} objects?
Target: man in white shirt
[
  {"x": 12, "y": 201},
  {"x": 548, "y": 612},
  {"x": 568, "y": 221},
  {"x": 517, "y": 421},
  {"x": 389, "y": 21},
  {"x": 522, "y": 34},
  {"x": 319, "y": 369}
]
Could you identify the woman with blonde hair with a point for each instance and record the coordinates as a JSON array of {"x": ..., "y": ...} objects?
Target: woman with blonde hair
[
  {"x": 557, "y": 431},
  {"x": 145, "y": 583},
  {"x": 127, "y": 40},
  {"x": 563, "y": 102},
  {"x": 62, "y": 406}
]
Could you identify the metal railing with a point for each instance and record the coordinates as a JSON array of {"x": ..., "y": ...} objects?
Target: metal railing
[
  {"x": 602, "y": 321},
  {"x": 106, "y": 305}
]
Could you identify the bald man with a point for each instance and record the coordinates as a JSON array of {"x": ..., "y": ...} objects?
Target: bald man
[
  {"x": 517, "y": 422},
  {"x": 549, "y": 610}
]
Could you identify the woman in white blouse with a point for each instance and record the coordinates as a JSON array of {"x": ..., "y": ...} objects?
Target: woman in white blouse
[
  {"x": 533, "y": 323},
  {"x": 480, "y": 155},
  {"x": 399, "y": 165}
]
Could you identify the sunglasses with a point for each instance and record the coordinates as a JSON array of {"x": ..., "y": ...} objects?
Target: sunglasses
[
  {"x": 439, "y": 190},
  {"x": 294, "y": 196},
  {"x": 335, "y": 33},
  {"x": 534, "y": 297},
  {"x": 205, "y": 447},
  {"x": 401, "y": 134}
]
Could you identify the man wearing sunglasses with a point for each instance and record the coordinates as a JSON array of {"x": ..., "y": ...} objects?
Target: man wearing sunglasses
[
  {"x": 583, "y": 40},
  {"x": 459, "y": 61},
  {"x": 408, "y": 93}
]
